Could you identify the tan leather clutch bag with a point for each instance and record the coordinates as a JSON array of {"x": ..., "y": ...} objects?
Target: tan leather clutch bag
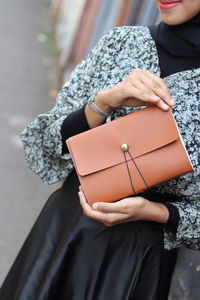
[{"x": 129, "y": 155}]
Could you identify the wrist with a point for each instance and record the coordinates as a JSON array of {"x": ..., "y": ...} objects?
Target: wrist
[
  {"x": 100, "y": 101},
  {"x": 156, "y": 212}
]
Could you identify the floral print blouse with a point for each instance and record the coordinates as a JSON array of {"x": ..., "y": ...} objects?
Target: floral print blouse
[{"x": 120, "y": 51}]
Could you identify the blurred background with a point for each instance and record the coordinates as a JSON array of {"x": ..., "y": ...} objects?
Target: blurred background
[{"x": 41, "y": 42}]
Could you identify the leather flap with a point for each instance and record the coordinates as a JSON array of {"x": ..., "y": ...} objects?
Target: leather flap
[{"x": 144, "y": 131}]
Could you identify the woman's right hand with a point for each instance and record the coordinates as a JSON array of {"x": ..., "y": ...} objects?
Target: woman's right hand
[{"x": 140, "y": 88}]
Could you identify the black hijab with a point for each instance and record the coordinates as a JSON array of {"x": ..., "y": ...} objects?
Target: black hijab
[
  {"x": 179, "y": 40},
  {"x": 178, "y": 46}
]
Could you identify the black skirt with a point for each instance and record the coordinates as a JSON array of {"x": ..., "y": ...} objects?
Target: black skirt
[{"x": 68, "y": 256}]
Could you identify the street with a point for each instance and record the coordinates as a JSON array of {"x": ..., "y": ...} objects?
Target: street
[{"x": 24, "y": 85}]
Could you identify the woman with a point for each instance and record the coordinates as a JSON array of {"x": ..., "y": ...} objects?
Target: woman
[{"x": 76, "y": 256}]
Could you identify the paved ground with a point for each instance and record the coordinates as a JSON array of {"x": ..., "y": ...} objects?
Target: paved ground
[{"x": 24, "y": 84}]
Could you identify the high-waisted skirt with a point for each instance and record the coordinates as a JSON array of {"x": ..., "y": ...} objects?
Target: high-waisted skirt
[{"x": 68, "y": 256}]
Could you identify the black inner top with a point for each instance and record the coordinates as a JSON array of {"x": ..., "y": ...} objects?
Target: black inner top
[
  {"x": 179, "y": 40},
  {"x": 172, "y": 64}
]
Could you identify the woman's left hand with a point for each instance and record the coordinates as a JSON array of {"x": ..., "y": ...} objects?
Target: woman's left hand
[{"x": 125, "y": 210}]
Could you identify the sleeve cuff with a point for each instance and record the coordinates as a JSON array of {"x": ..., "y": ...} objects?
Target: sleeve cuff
[
  {"x": 73, "y": 124},
  {"x": 174, "y": 218}
]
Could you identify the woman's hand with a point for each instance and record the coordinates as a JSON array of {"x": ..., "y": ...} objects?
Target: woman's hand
[
  {"x": 125, "y": 210},
  {"x": 140, "y": 88}
]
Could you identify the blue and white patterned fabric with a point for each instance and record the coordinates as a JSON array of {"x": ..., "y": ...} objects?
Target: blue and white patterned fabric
[{"x": 119, "y": 52}]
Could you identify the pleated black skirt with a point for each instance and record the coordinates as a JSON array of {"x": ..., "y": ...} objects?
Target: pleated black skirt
[{"x": 68, "y": 256}]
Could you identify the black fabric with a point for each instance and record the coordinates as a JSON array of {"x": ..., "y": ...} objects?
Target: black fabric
[
  {"x": 70, "y": 256},
  {"x": 174, "y": 217},
  {"x": 173, "y": 64},
  {"x": 179, "y": 40},
  {"x": 178, "y": 46},
  {"x": 74, "y": 124}
]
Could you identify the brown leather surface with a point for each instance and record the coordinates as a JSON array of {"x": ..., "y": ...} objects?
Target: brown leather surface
[{"x": 154, "y": 144}]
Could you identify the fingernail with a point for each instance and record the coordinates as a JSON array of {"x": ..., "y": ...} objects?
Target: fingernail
[
  {"x": 172, "y": 101},
  {"x": 95, "y": 206},
  {"x": 165, "y": 106}
]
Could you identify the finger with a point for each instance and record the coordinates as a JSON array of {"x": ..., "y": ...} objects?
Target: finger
[
  {"x": 106, "y": 207},
  {"x": 153, "y": 82},
  {"x": 114, "y": 219},
  {"x": 120, "y": 206},
  {"x": 109, "y": 219},
  {"x": 142, "y": 87},
  {"x": 88, "y": 210},
  {"x": 157, "y": 100},
  {"x": 157, "y": 85},
  {"x": 86, "y": 207},
  {"x": 136, "y": 94},
  {"x": 104, "y": 217}
]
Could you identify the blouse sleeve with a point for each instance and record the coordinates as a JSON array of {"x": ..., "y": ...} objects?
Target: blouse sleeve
[
  {"x": 42, "y": 138},
  {"x": 188, "y": 231}
]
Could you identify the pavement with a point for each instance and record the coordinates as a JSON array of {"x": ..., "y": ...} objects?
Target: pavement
[{"x": 24, "y": 85}]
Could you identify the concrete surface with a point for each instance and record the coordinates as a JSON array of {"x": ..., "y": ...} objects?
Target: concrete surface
[
  {"x": 24, "y": 84},
  {"x": 186, "y": 280}
]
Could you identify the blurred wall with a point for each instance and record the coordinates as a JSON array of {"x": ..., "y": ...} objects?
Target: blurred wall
[{"x": 79, "y": 24}]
